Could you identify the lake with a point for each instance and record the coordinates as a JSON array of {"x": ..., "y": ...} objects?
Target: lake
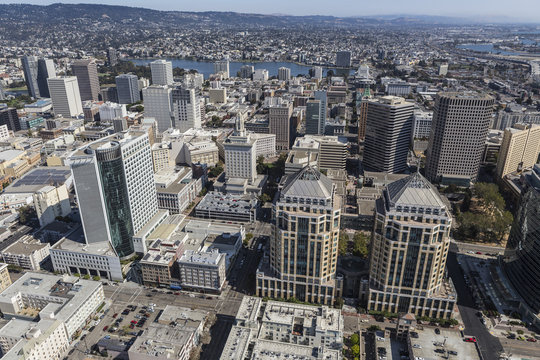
[{"x": 206, "y": 68}]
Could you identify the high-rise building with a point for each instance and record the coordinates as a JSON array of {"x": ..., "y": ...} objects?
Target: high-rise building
[
  {"x": 343, "y": 59},
  {"x": 313, "y": 111},
  {"x": 240, "y": 154},
  {"x": 409, "y": 246},
  {"x": 2, "y": 93},
  {"x": 158, "y": 105},
  {"x": 279, "y": 122},
  {"x": 519, "y": 149},
  {"x": 193, "y": 80},
  {"x": 388, "y": 134},
  {"x": 362, "y": 110},
  {"x": 260, "y": 75},
  {"x": 186, "y": 107},
  {"x": 109, "y": 111},
  {"x": 322, "y": 96},
  {"x": 284, "y": 74},
  {"x": 87, "y": 77},
  {"x": 458, "y": 135},
  {"x": 51, "y": 202},
  {"x": 65, "y": 96},
  {"x": 162, "y": 72},
  {"x": 45, "y": 70},
  {"x": 246, "y": 71},
  {"x": 222, "y": 67},
  {"x": 30, "y": 69},
  {"x": 422, "y": 121},
  {"x": 521, "y": 257},
  {"x": 114, "y": 182},
  {"x": 127, "y": 87},
  {"x": 316, "y": 72},
  {"x": 112, "y": 58},
  {"x": 10, "y": 118},
  {"x": 304, "y": 241}
]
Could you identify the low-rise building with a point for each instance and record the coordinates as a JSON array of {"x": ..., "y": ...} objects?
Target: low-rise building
[
  {"x": 228, "y": 207},
  {"x": 200, "y": 270},
  {"x": 28, "y": 253},
  {"x": 284, "y": 331},
  {"x": 5, "y": 280},
  {"x": 51, "y": 202},
  {"x": 157, "y": 264},
  {"x": 177, "y": 189}
]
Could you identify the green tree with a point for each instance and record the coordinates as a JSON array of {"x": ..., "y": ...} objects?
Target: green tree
[
  {"x": 264, "y": 198},
  {"x": 373, "y": 328},
  {"x": 360, "y": 247},
  {"x": 355, "y": 339},
  {"x": 343, "y": 243},
  {"x": 355, "y": 350}
]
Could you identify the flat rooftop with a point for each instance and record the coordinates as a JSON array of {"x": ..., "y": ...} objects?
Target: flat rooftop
[
  {"x": 229, "y": 203},
  {"x": 284, "y": 313},
  {"x": 75, "y": 242},
  {"x": 237, "y": 343},
  {"x": 447, "y": 340},
  {"x": 26, "y": 245},
  {"x": 273, "y": 350},
  {"x": 35, "y": 179}
]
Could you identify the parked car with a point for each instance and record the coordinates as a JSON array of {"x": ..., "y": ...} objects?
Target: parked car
[{"x": 470, "y": 339}]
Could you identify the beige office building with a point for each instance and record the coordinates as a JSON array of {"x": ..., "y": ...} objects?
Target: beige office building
[
  {"x": 279, "y": 120},
  {"x": 304, "y": 241},
  {"x": 409, "y": 246},
  {"x": 519, "y": 150}
]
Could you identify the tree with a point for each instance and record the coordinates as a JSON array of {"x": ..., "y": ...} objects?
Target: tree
[
  {"x": 343, "y": 243},
  {"x": 355, "y": 349},
  {"x": 373, "y": 328},
  {"x": 261, "y": 167},
  {"x": 264, "y": 198},
  {"x": 360, "y": 247},
  {"x": 339, "y": 303},
  {"x": 355, "y": 339}
]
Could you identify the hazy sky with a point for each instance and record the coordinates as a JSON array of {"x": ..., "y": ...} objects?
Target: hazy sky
[{"x": 519, "y": 9}]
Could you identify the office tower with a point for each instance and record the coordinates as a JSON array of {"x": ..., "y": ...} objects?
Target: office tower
[
  {"x": 363, "y": 72},
  {"x": 109, "y": 94},
  {"x": 519, "y": 149},
  {"x": 87, "y": 77},
  {"x": 316, "y": 72},
  {"x": 343, "y": 59},
  {"x": 112, "y": 58},
  {"x": 65, "y": 96},
  {"x": 240, "y": 154},
  {"x": 30, "y": 69},
  {"x": 193, "y": 80},
  {"x": 120, "y": 124},
  {"x": 409, "y": 246},
  {"x": 260, "y": 75},
  {"x": 458, "y": 135},
  {"x": 362, "y": 111},
  {"x": 10, "y": 118},
  {"x": 422, "y": 121},
  {"x": 322, "y": 96},
  {"x": 303, "y": 245},
  {"x": 279, "y": 122},
  {"x": 246, "y": 71},
  {"x": 109, "y": 111},
  {"x": 45, "y": 70},
  {"x": 115, "y": 188},
  {"x": 443, "y": 69},
  {"x": 388, "y": 134},
  {"x": 186, "y": 107},
  {"x": 521, "y": 257},
  {"x": 158, "y": 105},
  {"x": 222, "y": 67},
  {"x": 162, "y": 72},
  {"x": 284, "y": 74},
  {"x": 2, "y": 93},
  {"x": 313, "y": 111},
  {"x": 127, "y": 88}
]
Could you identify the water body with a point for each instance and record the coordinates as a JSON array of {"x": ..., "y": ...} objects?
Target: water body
[
  {"x": 206, "y": 68},
  {"x": 487, "y": 48}
]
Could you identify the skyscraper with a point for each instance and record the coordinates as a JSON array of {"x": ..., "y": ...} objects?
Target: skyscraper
[
  {"x": 362, "y": 110},
  {"x": 115, "y": 189},
  {"x": 279, "y": 122},
  {"x": 162, "y": 72},
  {"x": 322, "y": 96},
  {"x": 313, "y": 111},
  {"x": 240, "y": 154},
  {"x": 10, "y": 118},
  {"x": 186, "y": 107},
  {"x": 316, "y": 72},
  {"x": 284, "y": 74},
  {"x": 522, "y": 257},
  {"x": 458, "y": 134},
  {"x": 343, "y": 59},
  {"x": 519, "y": 149},
  {"x": 87, "y": 77},
  {"x": 65, "y": 96},
  {"x": 158, "y": 104},
  {"x": 30, "y": 69},
  {"x": 304, "y": 241},
  {"x": 246, "y": 71},
  {"x": 222, "y": 66},
  {"x": 409, "y": 246},
  {"x": 112, "y": 58},
  {"x": 127, "y": 87},
  {"x": 45, "y": 70},
  {"x": 388, "y": 134}
]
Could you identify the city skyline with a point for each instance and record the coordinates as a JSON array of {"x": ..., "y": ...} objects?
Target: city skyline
[{"x": 476, "y": 10}]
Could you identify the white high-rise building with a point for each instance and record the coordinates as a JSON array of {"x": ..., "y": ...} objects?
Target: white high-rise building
[
  {"x": 186, "y": 109},
  {"x": 193, "y": 80},
  {"x": 114, "y": 182},
  {"x": 222, "y": 67},
  {"x": 158, "y": 105},
  {"x": 260, "y": 75},
  {"x": 322, "y": 96},
  {"x": 240, "y": 154},
  {"x": 317, "y": 72},
  {"x": 109, "y": 111},
  {"x": 65, "y": 96},
  {"x": 50, "y": 202},
  {"x": 162, "y": 72},
  {"x": 284, "y": 73}
]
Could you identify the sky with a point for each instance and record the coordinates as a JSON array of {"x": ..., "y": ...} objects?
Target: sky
[{"x": 523, "y": 10}]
